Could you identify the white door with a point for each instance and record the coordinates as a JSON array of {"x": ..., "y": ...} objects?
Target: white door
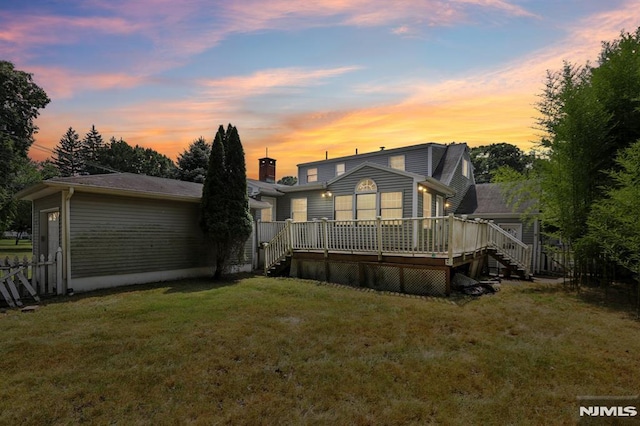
[{"x": 53, "y": 233}]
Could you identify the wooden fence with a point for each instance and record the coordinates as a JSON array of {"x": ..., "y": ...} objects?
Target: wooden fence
[{"x": 30, "y": 277}]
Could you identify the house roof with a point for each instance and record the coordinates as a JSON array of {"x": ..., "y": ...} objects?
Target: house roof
[
  {"x": 487, "y": 199},
  {"x": 126, "y": 184},
  {"x": 445, "y": 170},
  {"x": 265, "y": 188},
  {"x": 370, "y": 154}
]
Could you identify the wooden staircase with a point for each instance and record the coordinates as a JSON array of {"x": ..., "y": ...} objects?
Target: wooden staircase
[
  {"x": 280, "y": 268},
  {"x": 509, "y": 251}
]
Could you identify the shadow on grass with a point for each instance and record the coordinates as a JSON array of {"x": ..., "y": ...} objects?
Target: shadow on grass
[
  {"x": 189, "y": 285},
  {"x": 618, "y": 297}
]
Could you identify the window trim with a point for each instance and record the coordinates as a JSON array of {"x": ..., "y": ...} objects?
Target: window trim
[{"x": 338, "y": 172}]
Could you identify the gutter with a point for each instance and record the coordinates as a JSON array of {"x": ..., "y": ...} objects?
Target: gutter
[{"x": 66, "y": 238}]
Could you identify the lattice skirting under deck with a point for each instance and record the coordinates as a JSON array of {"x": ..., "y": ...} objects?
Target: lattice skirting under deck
[{"x": 383, "y": 277}]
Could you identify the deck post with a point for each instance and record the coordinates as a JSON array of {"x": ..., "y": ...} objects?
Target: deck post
[
  {"x": 379, "y": 236},
  {"x": 325, "y": 237},
  {"x": 449, "y": 260},
  {"x": 289, "y": 235}
]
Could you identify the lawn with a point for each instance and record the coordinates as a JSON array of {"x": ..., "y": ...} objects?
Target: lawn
[
  {"x": 284, "y": 351},
  {"x": 9, "y": 248}
]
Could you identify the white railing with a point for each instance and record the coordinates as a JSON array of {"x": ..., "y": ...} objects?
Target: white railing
[
  {"x": 510, "y": 247},
  {"x": 266, "y": 231},
  {"x": 276, "y": 249},
  {"x": 444, "y": 237},
  {"x": 41, "y": 276}
]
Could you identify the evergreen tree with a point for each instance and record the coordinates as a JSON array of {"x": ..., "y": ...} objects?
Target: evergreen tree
[
  {"x": 240, "y": 221},
  {"x": 225, "y": 217},
  {"x": 68, "y": 154},
  {"x": 213, "y": 218},
  {"x": 91, "y": 146},
  {"x": 193, "y": 162}
]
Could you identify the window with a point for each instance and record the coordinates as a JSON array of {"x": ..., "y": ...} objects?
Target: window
[
  {"x": 391, "y": 205},
  {"x": 266, "y": 215},
  {"x": 339, "y": 169},
  {"x": 465, "y": 167},
  {"x": 366, "y": 206},
  {"x": 344, "y": 207},
  {"x": 366, "y": 185},
  {"x": 299, "y": 209},
  {"x": 312, "y": 175},
  {"x": 397, "y": 162},
  {"x": 426, "y": 204}
]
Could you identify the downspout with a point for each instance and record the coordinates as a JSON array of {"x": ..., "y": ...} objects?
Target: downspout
[{"x": 66, "y": 242}]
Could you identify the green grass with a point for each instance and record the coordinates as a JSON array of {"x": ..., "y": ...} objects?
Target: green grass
[
  {"x": 284, "y": 351},
  {"x": 9, "y": 248}
]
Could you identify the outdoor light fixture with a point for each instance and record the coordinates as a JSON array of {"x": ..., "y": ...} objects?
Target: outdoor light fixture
[
  {"x": 421, "y": 188},
  {"x": 327, "y": 194}
]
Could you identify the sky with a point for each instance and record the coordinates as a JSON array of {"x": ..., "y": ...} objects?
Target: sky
[{"x": 303, "y": 79}]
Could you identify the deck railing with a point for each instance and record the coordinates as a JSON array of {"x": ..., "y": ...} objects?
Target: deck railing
[{"x": 441, "y": 237}]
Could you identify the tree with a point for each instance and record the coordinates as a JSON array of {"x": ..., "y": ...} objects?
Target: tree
[
  {"x": 29, "y": 173},
  {"x": 91, "y": 146},
  {"x": 486, "y": 159},
  {"x": 589, "y": 115},
  {"x": 288, "y": 180},
  {"x": 20, "y": 102},
  {"x": 613, "y": 221},
  {"x": 225, "y": 217},
  {"x": 193, "y": 162},
  {"x": 119, "y": 156},
  {"x": 68, "y": 156}
]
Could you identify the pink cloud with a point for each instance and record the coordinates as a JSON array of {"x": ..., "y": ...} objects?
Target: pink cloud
[{"x": 265, "y": 81}]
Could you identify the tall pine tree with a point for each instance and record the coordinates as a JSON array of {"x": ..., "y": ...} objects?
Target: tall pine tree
[
  {"x": 68, "y": 154},
  {"x": 193, "y": 162},
  {"x": 225, "y": 217},
  {"x": 91, "y": 146}
]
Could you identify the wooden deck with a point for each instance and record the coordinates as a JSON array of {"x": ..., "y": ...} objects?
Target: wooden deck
[{"x": 436, "y": 241}]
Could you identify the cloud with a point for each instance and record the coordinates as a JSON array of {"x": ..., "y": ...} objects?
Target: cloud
[
  {"x": 265, "y": 81},
  {"x": 61, "y": 83}
]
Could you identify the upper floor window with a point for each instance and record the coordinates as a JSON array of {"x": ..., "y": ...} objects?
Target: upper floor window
[
  {"x": 366, "y": 185},
  {"x": 465, "y": 168},
  {"x": 339, "y": 169},
  {"x": 312, "y": 175},
  {"x": 396, "y": 162}
]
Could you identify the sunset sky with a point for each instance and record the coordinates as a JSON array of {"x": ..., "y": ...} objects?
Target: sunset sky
[{"x": 301, "y": 77}]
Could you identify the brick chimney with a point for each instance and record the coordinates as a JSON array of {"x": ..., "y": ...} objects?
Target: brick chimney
[{"x": 267, "y": 170}]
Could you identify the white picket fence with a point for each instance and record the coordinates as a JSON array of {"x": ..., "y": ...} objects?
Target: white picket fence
[{"x": 30, "y": 277}]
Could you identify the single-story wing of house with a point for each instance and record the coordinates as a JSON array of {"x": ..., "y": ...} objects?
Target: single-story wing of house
[{"x": 122, "y": 228}]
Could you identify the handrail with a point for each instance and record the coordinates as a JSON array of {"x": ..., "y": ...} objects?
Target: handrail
[
  {"x": 276, "y": 249},
  {"x": 510, "y": 247}
]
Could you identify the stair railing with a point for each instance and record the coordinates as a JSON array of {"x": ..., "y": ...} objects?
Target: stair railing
[
  {"x": 278, "y": 248},
  {"x": 509, "y": 247}
]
